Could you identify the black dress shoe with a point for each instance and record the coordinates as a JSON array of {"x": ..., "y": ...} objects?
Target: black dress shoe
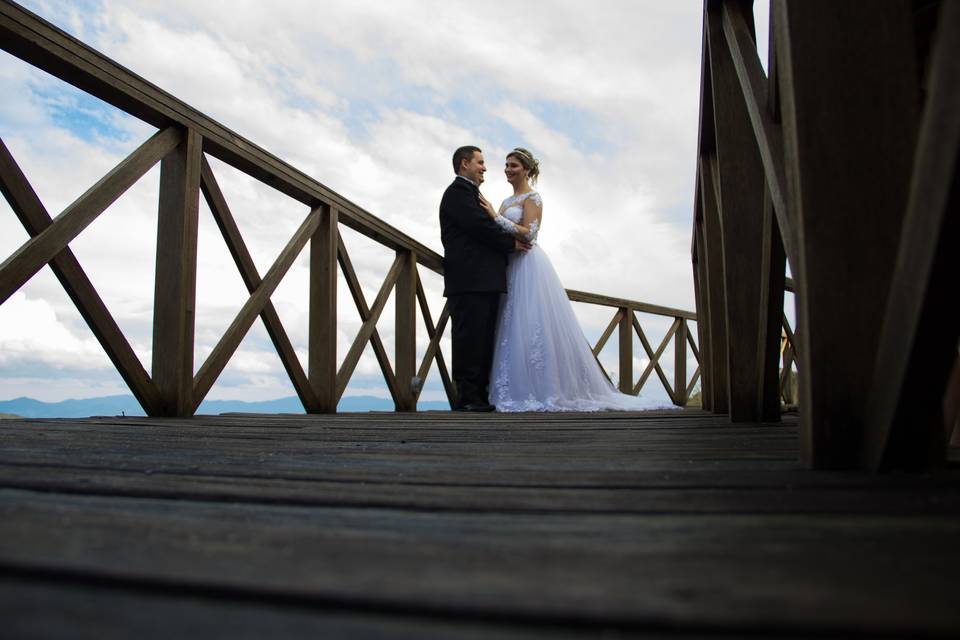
[{"x": 476, "y": 407}]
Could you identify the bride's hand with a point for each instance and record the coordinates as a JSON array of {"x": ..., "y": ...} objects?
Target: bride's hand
[{"x": 487, "y": 206}]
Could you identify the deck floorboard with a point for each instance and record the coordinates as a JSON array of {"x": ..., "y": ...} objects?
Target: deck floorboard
[{"x": 434, "y": 524}]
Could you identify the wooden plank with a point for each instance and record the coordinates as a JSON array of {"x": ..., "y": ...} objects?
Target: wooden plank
[
  {"x": 739, "y": 179},
  {"x": 353, "y": 284},
  {"x": 322, "y": 337},
  {"x": 65, "y": 606},
  {"x": 40, "y": 249},
  {"x": 176, "y": 275},
  {"x": 245, "y": 487},
  {"x": 701, "y": 291},
  {"x": 65, "y": 266},
  {"x": 718, "y": 571},
  {"x": 614, "y": 323},
  {"x": 738, "y": 29},
  {"x": 905, "y": 410},
  {"x": 368, "y": 327},
  {"x": 849, "y": 111},
  {"x": 405, "y": 330},
  {"x": 693, "y": 381},
  {"x": 610, "y": 301},
  {"x": 680, "y": 363},
  {"x": 771, "y": 315},
  {"x": 227, "y": 345},
  {"x": 716, "y": 357},
  {"x": 251, "y": 279},
  {"x": 693, "y": 346},
  {"x": 625, "y": 349},
  {"x": 654, "y": 364},
  {"x": 435, "y": 333}
]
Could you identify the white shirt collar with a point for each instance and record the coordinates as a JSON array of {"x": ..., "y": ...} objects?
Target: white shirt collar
[{"x": 468, "y": 180}]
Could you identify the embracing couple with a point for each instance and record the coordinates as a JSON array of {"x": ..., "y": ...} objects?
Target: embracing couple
[{"x": 517, "y": 345}]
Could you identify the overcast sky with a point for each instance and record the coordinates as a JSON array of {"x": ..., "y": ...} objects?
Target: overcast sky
[{"x": 370, "y": 98}]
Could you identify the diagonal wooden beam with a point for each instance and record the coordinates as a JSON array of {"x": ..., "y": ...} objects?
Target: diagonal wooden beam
[
  {"x": 65, "y": 266},
  {"x": 791, "y": 337},
  {"x": 369, "y": 327},
  {"x": 254, "y": 305},
  {"x": 607, "y": 333},
  {"x": 41, "y": 248},
  {"x": 353, "y": 284},
  {"x": 654, "y": 364},
  {"x": 433, "y": 349},
  {"x": 753, "y": 83},
  {"x": 251, "y": 278},
  {"x": 693, "y": 347},
  {"x": 917, "y": 347},
  {"x": 693, "y": 383}
]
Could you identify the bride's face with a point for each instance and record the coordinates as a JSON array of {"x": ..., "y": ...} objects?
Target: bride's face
[{"x": 514, "y": 171}]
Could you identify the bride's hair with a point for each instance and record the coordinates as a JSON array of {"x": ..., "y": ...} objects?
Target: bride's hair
[{"x": 531, "y": 164}]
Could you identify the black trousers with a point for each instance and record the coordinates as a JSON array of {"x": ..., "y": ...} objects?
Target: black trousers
[{"x": 473, "y": 320}]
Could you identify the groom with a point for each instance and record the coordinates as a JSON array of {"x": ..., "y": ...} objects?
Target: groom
[{"x": 474, "y": 275}]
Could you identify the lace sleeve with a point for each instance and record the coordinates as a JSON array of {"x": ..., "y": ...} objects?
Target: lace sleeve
[
  {"x": 534, "y": 227},
  {"x": 505, "y": 224}
]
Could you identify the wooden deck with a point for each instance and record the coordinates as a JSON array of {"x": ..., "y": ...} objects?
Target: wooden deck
[{"x": 434, "y": 525}]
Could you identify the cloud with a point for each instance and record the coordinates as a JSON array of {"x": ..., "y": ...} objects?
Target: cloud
[{"x": 370, "y": 99}]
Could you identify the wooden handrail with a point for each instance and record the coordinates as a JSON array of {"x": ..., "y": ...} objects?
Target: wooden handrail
[
  {"x": 39, "y": 43},
  {"x": 185, "y": 137},
  {"x": 610, "y": 301}
]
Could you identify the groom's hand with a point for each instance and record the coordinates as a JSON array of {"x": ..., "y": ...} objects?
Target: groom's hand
[{"x": 521, "y": 245}]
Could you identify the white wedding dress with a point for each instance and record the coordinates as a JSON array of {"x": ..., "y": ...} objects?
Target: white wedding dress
[{"x": 542, "y": 360}]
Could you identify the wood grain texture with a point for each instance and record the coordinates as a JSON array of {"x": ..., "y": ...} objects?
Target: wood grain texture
[
  {"x": 849, "y": 105},
  {"x": 251, "y": 279},
  {"x": 715, "y": 284},
  {"x": 904, "y": 415},
  {"x": 441, "y": 523},
  {"x": 175, "y": 289},
  {"x": 738, "y": 178},
  {"x": 212, "y": 367},
  {"x": 322, "y": 334}
]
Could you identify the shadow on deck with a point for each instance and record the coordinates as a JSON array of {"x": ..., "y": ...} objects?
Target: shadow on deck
[{"x": 438, "y": 525}]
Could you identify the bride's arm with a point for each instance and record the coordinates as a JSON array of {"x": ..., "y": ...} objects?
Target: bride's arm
[
  {"x": 507, "y": 225},
  {"x": 532, "y": 214}
]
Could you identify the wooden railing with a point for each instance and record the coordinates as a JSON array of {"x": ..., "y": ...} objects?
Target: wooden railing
[
  {"x": 626, "y": 323},
  {"x": 843, "y": 163},
  {"x": 184, "y": 141}
]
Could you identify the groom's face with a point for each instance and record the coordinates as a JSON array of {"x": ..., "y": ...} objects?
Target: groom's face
[{"x": 474, "y": 168}]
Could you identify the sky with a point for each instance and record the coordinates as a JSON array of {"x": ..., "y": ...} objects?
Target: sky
[{"x": 370, "y": 98}]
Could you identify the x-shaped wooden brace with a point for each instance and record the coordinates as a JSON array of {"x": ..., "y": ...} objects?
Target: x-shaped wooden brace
[{"x": 49, "y": 242}]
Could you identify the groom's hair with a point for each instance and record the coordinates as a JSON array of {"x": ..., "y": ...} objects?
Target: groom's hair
[{"x": 461, "y": 154}]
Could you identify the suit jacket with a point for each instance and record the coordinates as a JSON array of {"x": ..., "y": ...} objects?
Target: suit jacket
[{"x": 475, "y": 248}]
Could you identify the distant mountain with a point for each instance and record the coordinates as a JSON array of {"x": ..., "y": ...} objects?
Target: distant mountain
[{"x": 127, "y": 405}]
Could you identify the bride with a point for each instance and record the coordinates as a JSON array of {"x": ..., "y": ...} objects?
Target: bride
[{"x": 541, "y": 359}]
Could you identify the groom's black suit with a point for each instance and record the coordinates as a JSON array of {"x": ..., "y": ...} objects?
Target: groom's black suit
[{"x": 474, "y": 275}]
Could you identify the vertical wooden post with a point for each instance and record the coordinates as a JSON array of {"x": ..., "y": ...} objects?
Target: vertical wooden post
[
  {"x": 175, "y": 291},
  {"x": 739, "y": 176},
  {"x": 701, "y": 292},
  {"x": 322, "y": 358},
  {"x": 406, "y": 331},
  {"x": 626, "y": 350},
  {"x": 680, "y": 364},
  {"x": 848, "y": 100},
  {"x": 912, "y": 395},
  {"x": 716, "y": 288},
  {"x": 772, "y": 278}
]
